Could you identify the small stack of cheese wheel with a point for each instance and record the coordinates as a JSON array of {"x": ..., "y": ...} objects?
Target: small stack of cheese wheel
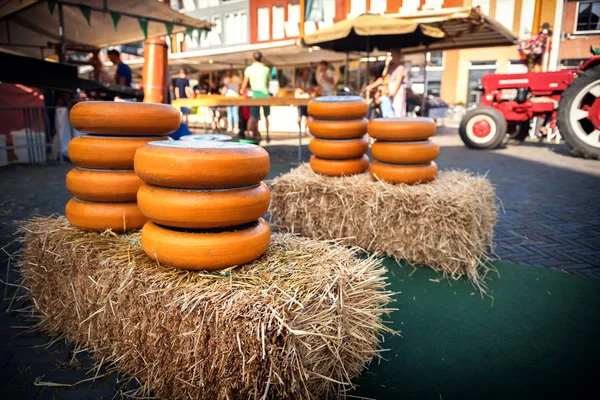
[
  {"x": 403, "y": 151},
  {"x": 338, "y": 126},
  {"x": 204, "y": 201},
  {"x": 104, "y": 184}
]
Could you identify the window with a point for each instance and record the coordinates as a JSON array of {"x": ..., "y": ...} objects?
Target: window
[
  {"x": 410, "y": 6},
  {"x": 588, "y": 16},
  {"x": 505, "y": 13},
  {"x": 378, "y": 6},
  {"x": 526, "y": 24},
  {"x": 433, "y": 4},
  {"x": 244, "y": 26},
  {"x": 435, "y": 59},
  {"x": 294, "y": 12},
  {"x": 264, "y": 24},
  {"x": 206, "y": 3},
  {"x": 278, "y": 22},
  {"x": 484, "y": 5},
  {"x": 358, "y": 7},
  {"x": 189, "y": 5},
  {"x": 236, "y": 27},
  {"x": 328, "y": 10},
  {"x": 216, "y": 31}
]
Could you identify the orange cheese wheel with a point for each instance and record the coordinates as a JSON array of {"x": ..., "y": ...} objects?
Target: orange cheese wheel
[
  {"x": 401, "y": 129},
  {"x": 103, "y": 185},
  {"x": 124, "y": 118},
  {"x": 107, "y": 152},
  {"x": 201, "y": 165},
  {"x": 405, "y": 152},
  {"x": 185, "y": 208},
  {"x": 409, "y": 174},
  {"x": 120, "y": 217},
  {"x": 350, "y": 129},
  {"x": 338, "y": 149},
  {"x": 338, "y": 107},
  {"x": 339, "y": 167},
  {"x": 206, "y": 250}
]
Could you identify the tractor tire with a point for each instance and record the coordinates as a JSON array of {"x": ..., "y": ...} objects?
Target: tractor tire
[
  {"x": 578, "y": 117},
  {"x": 483, "y": 128}
]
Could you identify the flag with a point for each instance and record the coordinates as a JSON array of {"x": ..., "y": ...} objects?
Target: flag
[{"x": 115, "y": 19}]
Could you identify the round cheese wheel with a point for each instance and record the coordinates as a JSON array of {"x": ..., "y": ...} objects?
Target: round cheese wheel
[
  {"x": 350, "y": 129},
  {"x": 401, "y": 129},
  {"x": 124, "y": 118},
  {"x": 338, "y": 149},
  {"x": 206, "y": 250},
  {"x": 339, "y": 167},
  {"x": 201, "y": 165},
  {"x": 405, "y": 152},
  {"x": 338, "y": 107},
  {"x": 185, "y": 208},
  {"x": 106, "y": 152},
  {"x": 103, "y": 185},
  {"x": 120, "y": 217},
  {"x": 409, "y": 174}
]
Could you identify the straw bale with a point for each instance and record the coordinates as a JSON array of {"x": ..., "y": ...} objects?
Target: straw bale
[
  {"x": 300, "y": 322},
  {"x": 447, "y": 225}
]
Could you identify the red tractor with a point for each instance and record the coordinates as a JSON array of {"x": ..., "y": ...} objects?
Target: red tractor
[{"x": 567, "y": 100}]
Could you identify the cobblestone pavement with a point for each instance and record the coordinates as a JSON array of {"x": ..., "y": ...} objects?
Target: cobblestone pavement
[{"x": 550, "y": 219}]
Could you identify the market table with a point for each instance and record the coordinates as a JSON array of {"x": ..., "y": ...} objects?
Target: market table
[{"x": 225, "y": 101}]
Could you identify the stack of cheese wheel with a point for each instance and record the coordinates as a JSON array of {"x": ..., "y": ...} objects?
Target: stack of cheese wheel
[
  {"x": 104, "y": 184},
  {"x": 403, "y": 151},
  {"x": 204, "y": 201},
  {"x": 338, "y": 126}
]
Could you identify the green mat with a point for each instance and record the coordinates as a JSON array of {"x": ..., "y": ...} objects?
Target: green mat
[{"x": 538, "y": 338}]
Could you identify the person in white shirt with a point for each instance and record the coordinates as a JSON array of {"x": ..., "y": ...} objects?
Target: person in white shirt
[
  {"x": 231, "y": 88},
  {"x": 325, "y": 79}
]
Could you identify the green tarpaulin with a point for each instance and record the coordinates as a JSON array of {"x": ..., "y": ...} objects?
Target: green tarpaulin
[{"x": 538, "y": 337}]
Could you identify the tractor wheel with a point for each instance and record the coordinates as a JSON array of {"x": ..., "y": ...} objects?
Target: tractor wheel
[
  {"x": 483, "y": 128},
  {"x": 579, "y": 114},
  {"x": 522, "y": 132}
]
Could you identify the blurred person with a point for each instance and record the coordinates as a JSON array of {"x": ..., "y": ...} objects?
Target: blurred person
[
  {"x": 100, "y": 74},
  {"x": 380, "y": 90},
  {"x": 183, "y": 91},
  {"x": 231, "y": 86},
  {"x": 257, "y": 75},
  {"x": 123, "y": 73},
  {"x": 303, "y": 89},
  {"x": 398, "y": 82},
  {"x": 324, "y": 77}
]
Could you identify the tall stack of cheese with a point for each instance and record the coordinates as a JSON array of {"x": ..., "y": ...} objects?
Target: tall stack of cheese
[
  {"x": 204, "y": 202},
  {"x": 338, "y": 126},
  {"x": 104, "y": 184},
  {"x": 403, "y": 151}
]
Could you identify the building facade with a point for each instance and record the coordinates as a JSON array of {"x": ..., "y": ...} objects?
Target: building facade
[
  {"x": 453, "y": 75},
  {"x": 231, "y": 19},
  {"x": 276, "y": 20}
]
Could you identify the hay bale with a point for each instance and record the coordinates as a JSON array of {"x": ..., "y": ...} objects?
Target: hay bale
[
  {"x": 300, "y": 322},
  {"x": 447, "y": 225}
]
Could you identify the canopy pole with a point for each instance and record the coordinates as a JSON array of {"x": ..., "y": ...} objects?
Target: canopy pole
[
  {"x": 346, "y": 69},
  {"x": 62, "y": 57},
  {"x": 424, "y": 101},
  {"x": 368, "y": 57}
]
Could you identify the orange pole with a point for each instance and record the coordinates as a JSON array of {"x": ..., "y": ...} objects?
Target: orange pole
[
  {"x": 154, "y": 72},
  {"x": 537, "y": 17}
]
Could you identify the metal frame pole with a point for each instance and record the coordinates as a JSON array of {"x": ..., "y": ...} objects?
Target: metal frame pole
[
  {"x": 424, "y": 101},
  {"x": 61, "y": 31},
  {"x": 346, "y": 71}
]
